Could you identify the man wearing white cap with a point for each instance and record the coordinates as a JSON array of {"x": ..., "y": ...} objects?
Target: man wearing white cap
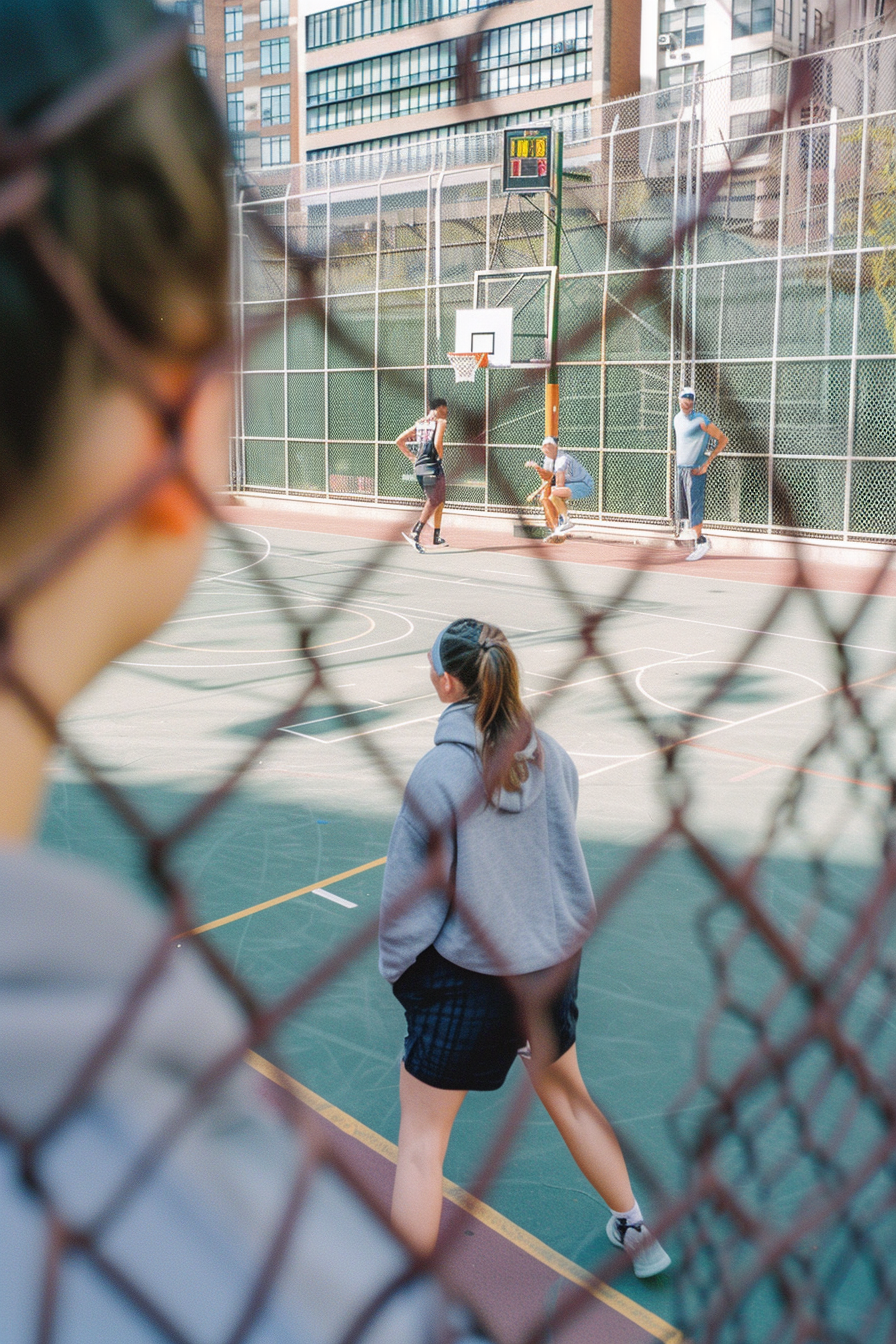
[{"x": 693, "y": 433}]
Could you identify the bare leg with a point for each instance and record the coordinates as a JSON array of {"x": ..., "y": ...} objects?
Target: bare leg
[
  {"x": 560, "y": 500},
  {"x": 550, "y": 513},
  {"x": 427, "y": 1115},
  {"x": 584, "y": 1129},
  {"x": 437, "y": 517}
]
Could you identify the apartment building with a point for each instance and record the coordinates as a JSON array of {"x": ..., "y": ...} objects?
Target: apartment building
[
  {"x": 248, "y": 53},
  {"x": 379, "y": 73}
]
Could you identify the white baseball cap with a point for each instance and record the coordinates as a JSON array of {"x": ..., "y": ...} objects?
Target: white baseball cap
[{"x": 687, "y": 393}]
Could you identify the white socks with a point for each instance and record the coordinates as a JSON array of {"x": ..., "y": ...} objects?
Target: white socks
[{"x": 633, "y": 1216}]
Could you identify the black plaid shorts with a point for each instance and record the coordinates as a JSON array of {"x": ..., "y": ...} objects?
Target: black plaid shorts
[{"x": 464, "y": 1030}]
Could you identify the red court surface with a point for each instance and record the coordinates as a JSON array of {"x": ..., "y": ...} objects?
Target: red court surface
[
  {"x": 499, "y": 1271},
  {"x": 776, "y": 572}
]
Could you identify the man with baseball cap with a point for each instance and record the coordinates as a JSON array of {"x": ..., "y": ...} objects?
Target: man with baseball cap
[{"x": 693, "y": 433}]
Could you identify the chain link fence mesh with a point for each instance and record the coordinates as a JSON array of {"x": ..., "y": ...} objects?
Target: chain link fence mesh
[
  {"x": 768, "y": 209},
  {"x": 781, "y": 1195}
]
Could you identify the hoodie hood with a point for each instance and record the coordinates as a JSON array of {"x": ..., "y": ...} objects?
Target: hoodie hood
[{"x": 457, "y": 725}]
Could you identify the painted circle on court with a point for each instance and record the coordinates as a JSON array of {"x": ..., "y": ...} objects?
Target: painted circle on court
[
  {"x": 757, "y": 699},
  {"x": 247, "y": 649}
]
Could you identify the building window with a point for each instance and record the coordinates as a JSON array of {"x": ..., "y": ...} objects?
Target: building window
[
  {"x": 194, "y": 10},
  {"x": 542, "y": 53},
  {"x": 275, "y": 56},
  {"x": 274, "y": 150},
  {"x": 236, "y": 112},
  {"x": 233, "y": 67},
  {"x": 198, "y": 60},
  {"x": 366, "y": 18},
  {"x": 684, "y": 25},
  {"x": 749, "y": 131},
  {"x": 274, "y": 104},
  {"x": 751, "y": 16},
  {"x": 677, "y": 85},
  {"x": 233, "y": 24},
  {"x": 274, "y": 13},
  {"x": 758, "y": 74}
]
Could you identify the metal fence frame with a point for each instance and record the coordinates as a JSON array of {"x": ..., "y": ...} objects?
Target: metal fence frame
[{"x": 814, "y": 182}]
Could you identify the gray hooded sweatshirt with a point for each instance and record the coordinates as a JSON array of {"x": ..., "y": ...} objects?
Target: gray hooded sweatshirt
[{"x": 515, "y": 869}]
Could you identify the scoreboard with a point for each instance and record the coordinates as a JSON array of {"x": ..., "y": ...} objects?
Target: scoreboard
[{"x": 528, "y": 158}]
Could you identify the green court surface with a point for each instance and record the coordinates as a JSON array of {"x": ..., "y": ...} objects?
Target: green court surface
[{"x": 171, "y": 716}]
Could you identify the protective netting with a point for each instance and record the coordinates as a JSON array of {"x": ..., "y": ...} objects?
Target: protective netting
[
  {"x": 782, "y": 1211},
  {"x": 789, "y": 259}
]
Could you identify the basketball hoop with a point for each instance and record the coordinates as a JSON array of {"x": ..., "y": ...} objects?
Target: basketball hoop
[{"x": 465, "y": 364}]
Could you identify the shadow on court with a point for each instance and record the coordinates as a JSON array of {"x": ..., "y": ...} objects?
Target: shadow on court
[{"x": 646, "y": 985}]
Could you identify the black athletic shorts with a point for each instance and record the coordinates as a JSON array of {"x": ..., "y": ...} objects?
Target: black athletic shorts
[
  {"x": 433, "y": 485},
  {"x": 464, "y": 1030}
]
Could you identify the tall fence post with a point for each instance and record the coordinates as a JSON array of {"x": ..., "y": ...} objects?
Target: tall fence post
[
  {"x": 857, "y": 301},
  {"x": 602, "y": 404},
  {"x": 779, "y": 290}
]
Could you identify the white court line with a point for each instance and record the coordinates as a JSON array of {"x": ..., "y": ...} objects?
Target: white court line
[
  {"x": 337, "y": 900},
  {"x": 227, "y": 573},
  {"x": 366, "y": 732},
  {"x": 348, "y": 713},
  {"x": 274, "y": 662},
  {"x": 376, "y": 604},
  {"x": 717, "y": 718},
  {"x": 710, "y": 732},
  {"x": 608, "y": 605}
]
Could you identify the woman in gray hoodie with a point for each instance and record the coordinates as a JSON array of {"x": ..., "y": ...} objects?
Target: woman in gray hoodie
[{"x": 486, "y": 907}]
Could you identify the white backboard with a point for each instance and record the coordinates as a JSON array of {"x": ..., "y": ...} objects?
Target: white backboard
[{"x": 485, "y": 330}]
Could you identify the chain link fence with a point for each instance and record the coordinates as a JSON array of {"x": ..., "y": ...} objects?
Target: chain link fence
[
  {"x": 776, "y": 299},
  {"x": 782, "y": 1194}
]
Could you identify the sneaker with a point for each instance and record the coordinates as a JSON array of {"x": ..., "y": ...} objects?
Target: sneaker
[
  {"x": 701, "y": 546},
  {"x": 439, "y": 541},
  {"x": 413, "y": 541},
  {"x": 641, "y": 1247},
  {"x": 564, "y": 524},
  {"x": 551, "y": 538}
]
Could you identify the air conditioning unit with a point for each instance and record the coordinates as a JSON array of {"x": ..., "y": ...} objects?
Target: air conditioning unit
[
  {"x": 557, "y": 48},
  {"x": 665, "y": 40}
]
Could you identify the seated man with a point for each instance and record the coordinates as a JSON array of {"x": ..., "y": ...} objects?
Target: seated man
[{"x": 564, "y": 479}]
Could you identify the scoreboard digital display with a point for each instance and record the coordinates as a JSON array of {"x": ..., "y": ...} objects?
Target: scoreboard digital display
[{"x": 528, "y": 158}]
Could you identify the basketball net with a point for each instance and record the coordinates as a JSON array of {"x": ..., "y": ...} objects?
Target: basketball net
[{"x": 465, "y": 364}]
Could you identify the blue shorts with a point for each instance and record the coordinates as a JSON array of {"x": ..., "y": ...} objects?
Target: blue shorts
[
  {"x": 689, "y": 494},
  {"x": 580, "y": 489},
  {"x": 464, "y": 1029}
]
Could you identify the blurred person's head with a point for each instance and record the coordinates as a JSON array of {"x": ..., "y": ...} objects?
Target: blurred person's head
[{"x": 137, "y": 195}]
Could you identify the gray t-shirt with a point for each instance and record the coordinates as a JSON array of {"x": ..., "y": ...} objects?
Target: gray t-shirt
[
  {"x": 569, "y": 465},
  {"x": 691, "y": 438},
  {"x": 195, "y": 1233}
]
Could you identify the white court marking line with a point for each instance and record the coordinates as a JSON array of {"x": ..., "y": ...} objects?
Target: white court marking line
[
  {"x": 347, "y": 714},
  {"x": 426, "y": 613},
  {"x": 710, "y": 732},
  {"x": 427, "y": 718},
  {"x": 272, "y": 662},
  {"x": 607, "y": 605},
  {"x": 227, "y": 573},
  {"x": 717, "y": 718},
  {"x": 367, "y": 732},
  {"x": 337, "y": 900}
]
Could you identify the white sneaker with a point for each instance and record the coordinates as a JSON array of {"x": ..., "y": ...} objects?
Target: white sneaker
[
  {"x": 701, "y": 546},
  {"x": 641, "y": 1247},
  {"x": 414, "y": 541},
  {"x": 564, "y": 524}
]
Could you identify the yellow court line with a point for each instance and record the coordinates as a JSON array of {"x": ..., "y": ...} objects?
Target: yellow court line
[
  {"x": 278, "y": 900},
  {"x": 518, "y": 1236}
]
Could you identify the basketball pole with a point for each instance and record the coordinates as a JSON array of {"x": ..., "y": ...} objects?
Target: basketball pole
[{"x": 552, "y": 377}]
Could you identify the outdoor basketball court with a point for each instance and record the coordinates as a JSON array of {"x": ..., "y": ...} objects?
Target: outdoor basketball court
[{"x": 312, "y": 821}]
